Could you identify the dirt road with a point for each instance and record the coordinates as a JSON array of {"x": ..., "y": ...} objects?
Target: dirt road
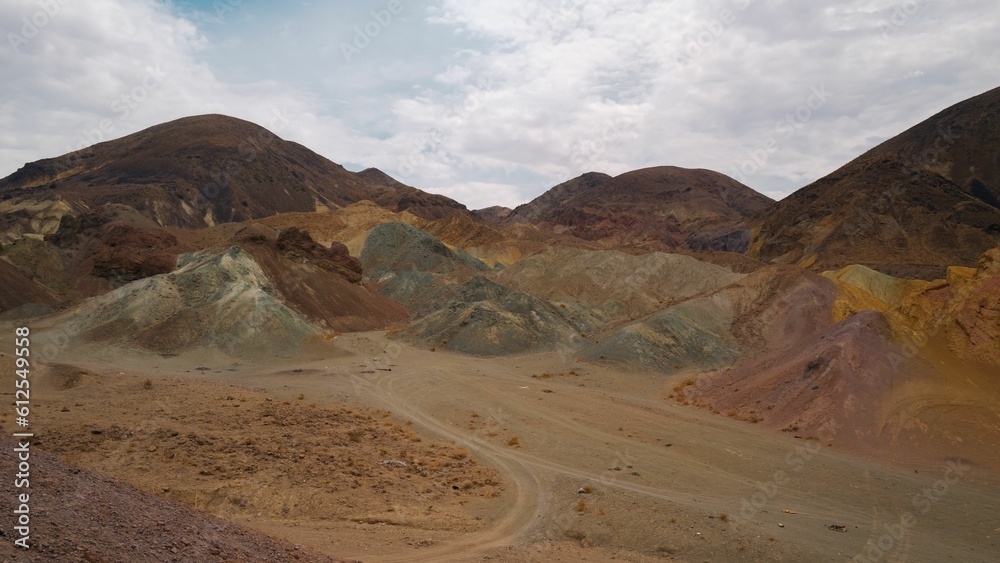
[
  {"x": 670, "y": 480},
  {"x": 661, "y": 481}
]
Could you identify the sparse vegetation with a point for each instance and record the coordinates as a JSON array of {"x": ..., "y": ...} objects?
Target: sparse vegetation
[
  {"x": 513, "y": 441},
  {"x": 344, "y": 452}
]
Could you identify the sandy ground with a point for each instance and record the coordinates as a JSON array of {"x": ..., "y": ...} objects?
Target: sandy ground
[{"x": 664, "y": 481}]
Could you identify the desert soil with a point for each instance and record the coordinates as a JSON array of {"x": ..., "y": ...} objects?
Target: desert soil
[{"x": 495, "y": 452}]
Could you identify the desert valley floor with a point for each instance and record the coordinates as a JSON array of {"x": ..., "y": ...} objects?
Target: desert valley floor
[{"x": 495, "y": 453}]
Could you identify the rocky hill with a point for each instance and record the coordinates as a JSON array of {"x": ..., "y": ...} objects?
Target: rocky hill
[
  {"x": 200, "y": 171},
  {"x": 912, "y": 206},
  {"x": 674, "y": 206}
]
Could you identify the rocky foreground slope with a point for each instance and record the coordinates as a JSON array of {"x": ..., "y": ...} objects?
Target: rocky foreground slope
[{"x": 78, "y": 515}]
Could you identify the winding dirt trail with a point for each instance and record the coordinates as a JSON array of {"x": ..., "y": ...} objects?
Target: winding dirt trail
[
  {"x": 664, "y": 481},
  {"x": 573, "y": 431}
]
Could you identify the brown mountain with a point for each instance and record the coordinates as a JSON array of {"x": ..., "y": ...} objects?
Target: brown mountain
[
  {"x": 678, "y": 207},
  {"x": 542, "y": 206},
  {"x": 493, "y": 214},
  {"x": 915, "y": 204},
  {"x": 204, "y": 170}
]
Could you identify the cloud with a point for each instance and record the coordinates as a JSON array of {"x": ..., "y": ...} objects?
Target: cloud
[
  {"x": 485, "y": 99},
  {"x": 477, "y": 195},
  {"x": 102, "y": 69},
  {"x": 618, "y": 85}
]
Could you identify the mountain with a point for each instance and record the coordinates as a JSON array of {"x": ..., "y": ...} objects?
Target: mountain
[
  {"x": 887, "y": 364},
  {"x": 537, "y": 209},
  {"x": 924, "y": 200},
  {"x": 675, "y": 206},
  {"x": 493, "y": 214},
  {"x": 200, "y": 171},
  {"x": 267, "y": 293}
]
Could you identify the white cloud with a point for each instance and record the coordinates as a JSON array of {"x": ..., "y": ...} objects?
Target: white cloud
[
  {"x": 505, "y": 99},
  {"x": 708, "y": 84},
  {"x": 103, "y": 69},
  {"x": 477, "y": 195}
]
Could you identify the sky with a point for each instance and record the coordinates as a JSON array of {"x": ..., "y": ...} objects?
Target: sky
[{"x": 492, "y": 103}]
